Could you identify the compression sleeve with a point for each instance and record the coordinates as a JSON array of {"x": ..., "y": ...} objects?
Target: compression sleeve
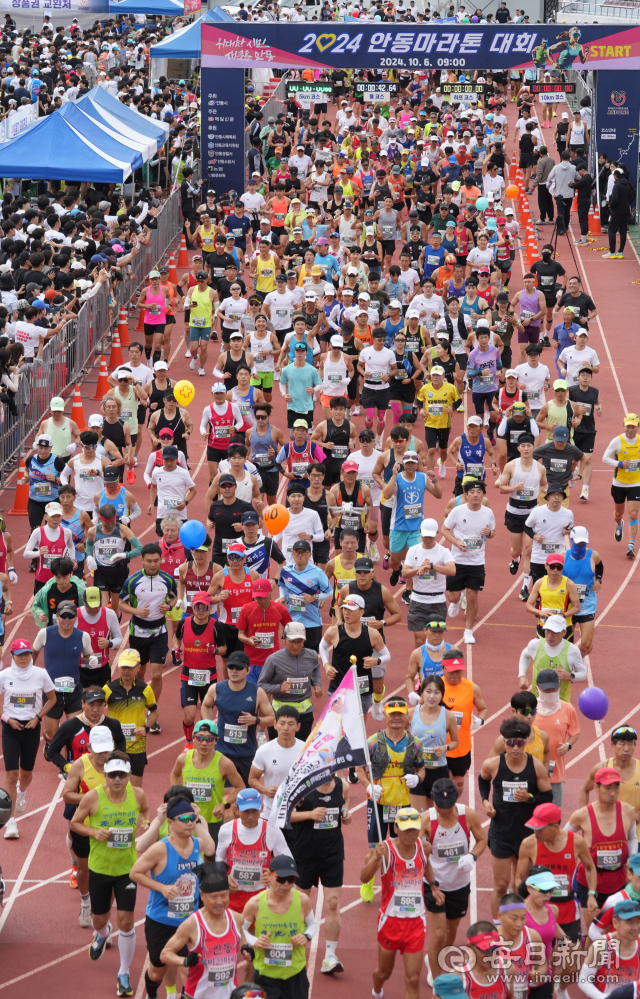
[
  {"x": 586, "y": 982},
  {"x": 311, "y": 926},
  {"x": 249, "y": 937},
  {"x": 325, "y": 651},
  {"x": 135, "y": 511},
  {"x": 136, "y": 548},
  {"x": 484, "y": 786},
  {"x": 632, "y": 839}
]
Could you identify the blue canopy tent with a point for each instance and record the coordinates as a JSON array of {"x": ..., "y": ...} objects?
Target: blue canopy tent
[
  {"x": 130, "y": 125},
  {"x": 68, "y": 145},
  {"x": 185, "y": 44}
]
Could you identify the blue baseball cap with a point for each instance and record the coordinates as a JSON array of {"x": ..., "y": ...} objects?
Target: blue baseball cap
[
  {"x": 249, "y": 798},
  {"x": 99, "y": 258},
  {"x": 491, "y": 224},
  {"x": 634, "y": 862},
  {"x": 627, "y": 909},
  {"x": 448, "y": 986}
]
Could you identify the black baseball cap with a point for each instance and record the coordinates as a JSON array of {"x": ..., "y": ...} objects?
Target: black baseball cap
[
  {"x": 111, "y": 474},
  {"x": 301, "y": 546},
  {"x": 444, "y": 792},
  {"x": 250, "y": 517},
  {"x": 363, "y": 564}
]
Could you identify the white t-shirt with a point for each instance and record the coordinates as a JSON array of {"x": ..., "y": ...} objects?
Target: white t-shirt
[
  {"x": 425, "y": 306},
  {"x": 28, "y": 335},
  {"x": 550, "y": 524},
  {"x": 533, "y": 380},
  {"x": 252, "y": 202},
  {"x": 480, "y": 259},
  {"x": 172, "y": 489},
  {"x": 276, "y": 762},
  {"x": 376, "y": 364},
  {"x": 305, "y": 522},
  {"x": 574, "y": 359},
  {"x": 233, "y": 310},
  {"x": 22, "y": 689},
  {"x": 466, "y": 526},
  {"x": 411, "y": 278},
  {"x": 281, "y": 308},
  {"x": 366, "y": 465},
  {"x": 275, "y": 839},
  {"x": 142, "y": 375},
  {"x": 429, "y": 590},
  {"x": 490, "y": 183}
]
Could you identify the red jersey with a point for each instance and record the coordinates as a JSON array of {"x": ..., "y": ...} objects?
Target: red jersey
[
  {"x": 616, "y": 970},
  {"x": 402, "y": 895},
  {"x": 3, "y": 553},
  {"x": 199, "y": 654},
  {"x": 218, "y": 960},
  {"x": 263, "y": 625},
  {"x": 172, "y": 556},
  {"x": 57, "y": 549},
  {"x": 497, "y": 989},
  {"x": 196, "y": 584},
  {"x": 520, "y": 957},
  {"x": 247, "y": 862},
  {"x": 505, "y": 400},
  {"x": 239, "y": 595},
  {"x": 609, "y": 854},
  {"x": 222, "y": 428},
  {"x": 562, "y": 863},
  {"x": 95, "y": 629}
]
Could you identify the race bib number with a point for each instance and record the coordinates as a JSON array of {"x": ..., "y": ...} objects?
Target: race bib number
[
  {"x": 509, "y": 788},
  {"x": 407, "y": 903},
  {"x": 129, "y": 730},
  {"x": 201, "y": 792},
  {"x": 279, "y": 955},
  {"x": 169, "y": 502},
  {"x": 235, "y": 614},
  {"x": 485, "y": 381},
  {"x": 363, "y": 684},
  {"x": 221, "y": 975},
  {"x": 526, "y": 493},
  {"x": 375, "y": 377},
  {"x": 299, "y": 684},
  {"x": 609, "y": 860},
  {"x": 340, "y": 451},
  {"x": 429, "y": 574},
  {"x": 458, "y": 715},
  {"x": 350, "y": 520},
  {"x": 262, "y": 459},
  {"x": 367, "y": 480},
  {"x": 296, "y": 602},
  {"x": 197, "y": 321},
  {"x": 330, "y": 820},
  {"x": 474, "y": 543},
  {"x": 42, "y": 489},
  {"x": 235, "y": 734},
  {"x": 64, "y": 684},
  {"x": 222, "y": 432},
  {"x": 634, "y": 466},
  {"x": 552, "y": 546},
  {"x": 436, "y": 408},
  {"x": 153, "y": 310},
  {"x": 389, "y": 812},
  {"x": 247, "y": 876},
  {"x": 22, "y": 700},
  {"x": 452, "y": 851},
  {"x": 563, "y": 890},
  {"x": 430, "y": 758},
  {"x": 265, "y": 640},
  {"x": 334, "y": 377},
  {"x": 473, "y": 469},
  {"x": 199, "y": 677},
  {"x": 412, "y": 510},
  {"x": 299, "y": 468},
  {"x": 120, "y": 839}
]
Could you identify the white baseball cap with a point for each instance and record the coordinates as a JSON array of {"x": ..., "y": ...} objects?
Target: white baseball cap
[
  {"x": 475, "y": 420},
  {"x": 95, "y": 420},
  {"x": 354, "y": 600},
  {"x": 511, "y": 373},
  {"x": 555, "y": 623},
  {"x": 52, "y": 509},
  {"x": 429, "y": 528},
  {"x": 336, "y": 340},
  {"x": 395, "y": 304},
  {"x": 218, "y": 387},
  {"x": 580, "y": 535},
  {"x": 412, "y": 314},
  {"x": 437, "y": 370},
  {"x": 113, "y": 766},
  {"x": 101, "y": 739}
]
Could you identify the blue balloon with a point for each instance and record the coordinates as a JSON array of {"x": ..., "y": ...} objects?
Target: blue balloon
[
  {"x": 192, "y": 534},
  {"x": 593, "y": 703},
  {"x": 482, "y": 204}
]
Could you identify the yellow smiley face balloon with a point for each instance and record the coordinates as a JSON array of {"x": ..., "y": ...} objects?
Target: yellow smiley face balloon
[{"x": 184, "y": 392}]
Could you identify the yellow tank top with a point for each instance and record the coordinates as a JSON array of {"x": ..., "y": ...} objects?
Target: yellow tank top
[
  {"x": 201, "y": 306},
  {"x": 266, "y": 274},
  {"x": 341, "y": 575},
  {"x": 557, "y": 415},
  {"x": 557, "y": 599},
  {"x": 536, "y": 748},
  {"x": 207, "y": 237},
  {"x": 629, "y": 452},
  {"x": 630, "y": 789}
]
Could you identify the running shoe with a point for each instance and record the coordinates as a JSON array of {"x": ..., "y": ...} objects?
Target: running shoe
[
  {"x": 609, "y": 256},
  {"x": 73, "y": 880},
  {"x": 513, "y": 566},
  {"x": 366, "y": 891},
  {"x": 21, "y": 801},
  {"x": 585, "y": 496},
  {"x": 352, "y": 776},
  {"x": 524, "y": 592},
  {"x": 84, "y": 919},
  {"x": 581, "y": 242},
  {"x": 201, "y": 371},
  {"x": 194, "y": 363},
  {"x": 394, "y": 577},
  {"x": 373, "y": 552},
  {"x": 377, "y": 711},
  {"x": 33, "y": 565},
  {"x": 11, "y": 829},
  {"x": 356, "y": 410},
  {"x": 155, "y": 728},
  {"x": 331, "y": 964},
  {"x": 188, "y": 354},
  {"x": 385, "y": 562},
  {"x": 463, "y": 601},
  {"x": 453, "y": 609},
  {"x": 406, "y": 597},
  {"x": 619, "y": 256},
  {"x": 442, "y": 469},
  {"x": 631, "y": 550},
  {"x": 131, "y": 477},
  {"x": 618, "y": 531},
  {"x": 469, "y": 637},
  {"x": 124, "y": 987},
  {"x": 98, "y": 944}
]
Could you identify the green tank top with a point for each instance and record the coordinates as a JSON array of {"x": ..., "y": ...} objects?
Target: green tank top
[
  {"x": 61, "y": 437},
  {"x": 207, "y": 785},
  {"x": 117, "y": 855},
  {"x": 281, "y": 959},
  {"x": 201, "y": 306},
  {"x": 559, "y": 661},
  {"x": 129, "y": 411},
  {"x": 558, "y": 416}
]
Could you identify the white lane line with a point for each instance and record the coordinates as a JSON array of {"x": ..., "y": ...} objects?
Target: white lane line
[
  {"x": 4, "y": 915},
  {"x": 313, "y": 949},
  {"x": 140, "y": 991},
  {"x": 41, "y": 884}
]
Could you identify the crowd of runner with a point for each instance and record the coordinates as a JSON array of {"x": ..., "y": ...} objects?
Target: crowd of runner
[{"x": 296, "y": 282}]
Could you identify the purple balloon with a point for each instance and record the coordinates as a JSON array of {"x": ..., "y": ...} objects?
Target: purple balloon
[{"x": 593, "y": 703}]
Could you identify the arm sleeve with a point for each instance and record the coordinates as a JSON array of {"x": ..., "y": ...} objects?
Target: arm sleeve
[
  {"x": 65, "y": 474},
  {"x": 276, "y": 842},
  {"x": 311, "y": 927},
  {"x": 632, "y": 839},
  {"x": 33, "y": 545},
  {"x": 86, "y": 644},
  {"x": 586, "y": 983},
  {"x": 484, "y": 786},
  {"x": 135, "y": 511},
  {"x": 114, "y": 628},
  {"x": 40, "y": 640},
  {"x": 609, "y": 457},
  {"x": 204, "y": 422},
  {"x": 151, "y": 463},
  {"x": 136, "y": 548},
  {"x": 526, "y": 657},
  {"x": 59, "y": 742}
]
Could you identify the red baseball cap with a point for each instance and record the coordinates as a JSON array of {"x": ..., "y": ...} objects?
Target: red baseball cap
[
  {"x": 555, "y": 557},
  {"x": 544, "y": 815},
  {"x": 22, "y": 645},
  {"x": 261, "y": 587},
  {"x": 454, "y": 664},
  {"x": 350, "y": 466},
  {"x": 201, "y": 598},
  {"x": 605, "y": 775},
  {"x": 237, "y": 548}
]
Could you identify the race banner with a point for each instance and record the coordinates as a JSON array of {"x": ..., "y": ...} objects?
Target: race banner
[
  {"x": 222, "y": 130},
  {"x": 336, "y": 741},
  {"x": 400, "y": 46},
  {"x": 306, "y": 94},
  {"x": 616, "y": 123},
  {"x": 55, "y": 6}
]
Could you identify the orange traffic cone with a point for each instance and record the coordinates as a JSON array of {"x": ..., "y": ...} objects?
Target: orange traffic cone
[
  {"x": 21, "y": 501},
  {"x": 574, "y": 206},
  {"x": 77, "y": 412},
  {"x": 115, "y": 357},
  {"x": 123, "y": 328},
  {"x": 594, "y": 226},
  {"x": 534, "y": 256},
  {"x": 173, "y": 270},
  {"x": 512, "y": 170},
  {"x": 183, "y": 256},
  {"x": 103, "y": 381}
]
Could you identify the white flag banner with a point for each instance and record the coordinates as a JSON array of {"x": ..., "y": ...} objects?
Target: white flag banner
[{"x": 337, "y": 741}]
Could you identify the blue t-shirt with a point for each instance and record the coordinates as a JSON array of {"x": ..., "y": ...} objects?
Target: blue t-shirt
[
  {"x": 329, "y": 264},
  {"x": 294, "y": 585},
  {"x": 561, "y": 334},
  {"x": 297, "y": 380}
]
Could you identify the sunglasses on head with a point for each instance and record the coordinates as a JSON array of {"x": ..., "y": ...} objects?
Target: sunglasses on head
[
  {"x": 436, "y": 626},
  {"x": 288, "y": 880},
  {"x": 512, "y": 743}
]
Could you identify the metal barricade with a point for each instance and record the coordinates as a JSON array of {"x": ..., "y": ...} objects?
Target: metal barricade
[{"x": 67, "y": 357}]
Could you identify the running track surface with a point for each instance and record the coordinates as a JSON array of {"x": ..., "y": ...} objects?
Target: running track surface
[{"x": 42, "y": 945}]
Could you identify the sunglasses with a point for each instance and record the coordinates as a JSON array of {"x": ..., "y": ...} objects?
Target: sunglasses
[
  {"x": 255, "y": 994},
  {"x": 236, "y": 669},
  {"x": 288, "y": 880},
  {"x": 234, "y": 557},
  {"x": 437, "y": 626},
  {"x": 262, "y": 417},
  {"x": 186, "y": 818},
  {"x": 625, "y": 730},
  {"x": 117, "y": 775},
  {"x": 66, "y": 616},
  {"x": 527, "y": 711},
  {"x": 227, "y": 485},
  {"x": 205, "y": 738},
  {"x": 512, "y": 743}
]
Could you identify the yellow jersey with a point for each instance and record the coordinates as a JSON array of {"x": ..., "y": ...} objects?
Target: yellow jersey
[{"x": 435, "y": 404}]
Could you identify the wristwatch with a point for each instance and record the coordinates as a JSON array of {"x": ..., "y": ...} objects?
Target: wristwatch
[{"x": 433, "y": 884}]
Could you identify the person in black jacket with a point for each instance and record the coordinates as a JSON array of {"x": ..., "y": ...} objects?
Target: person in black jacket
[
  {"x": 582, "y": 185},
  {"x": 622, "y": 197}
]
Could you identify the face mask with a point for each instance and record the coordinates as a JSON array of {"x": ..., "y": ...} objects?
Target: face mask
[
  {"x": 548, "y": 701},
  {"x": 434, "y": 648},
  {"x": 578, "y": 550},
  {"x": 546, "y": 256}
]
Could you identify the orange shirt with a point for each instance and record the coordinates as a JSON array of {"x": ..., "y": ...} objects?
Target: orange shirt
[{"x": 563, "y": 726}]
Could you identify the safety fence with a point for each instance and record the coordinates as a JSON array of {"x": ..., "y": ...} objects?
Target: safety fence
[{"x": 67, "y": 358}]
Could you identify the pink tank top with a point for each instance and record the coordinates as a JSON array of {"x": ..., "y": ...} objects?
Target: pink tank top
[
  {"x": 157, "y": 314},
  {"x": 547, "y": 932}
]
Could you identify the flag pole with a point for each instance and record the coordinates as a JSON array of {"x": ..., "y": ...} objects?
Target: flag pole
[{"x": 354, "y": 674}]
